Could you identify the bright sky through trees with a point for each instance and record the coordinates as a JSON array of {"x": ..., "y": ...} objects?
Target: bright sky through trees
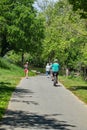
[{"x": 36, "y": 4}]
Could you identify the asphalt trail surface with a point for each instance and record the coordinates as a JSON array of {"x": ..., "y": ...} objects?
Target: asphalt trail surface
[{"x": 37, "y": 105}]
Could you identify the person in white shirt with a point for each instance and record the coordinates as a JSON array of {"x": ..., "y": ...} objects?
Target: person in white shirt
[{"x": 47, "y": 70}]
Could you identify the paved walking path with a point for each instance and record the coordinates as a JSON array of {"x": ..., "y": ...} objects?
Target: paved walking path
[{"x": 37, "y": 105}]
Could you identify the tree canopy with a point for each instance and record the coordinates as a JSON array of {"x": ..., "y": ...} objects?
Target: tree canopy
[
  {"x": 65, "y": 35},
  {"x": 20, "y": 29}
]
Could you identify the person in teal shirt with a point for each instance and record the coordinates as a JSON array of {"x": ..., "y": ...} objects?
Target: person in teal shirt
[{"x": 55, "y": 69}]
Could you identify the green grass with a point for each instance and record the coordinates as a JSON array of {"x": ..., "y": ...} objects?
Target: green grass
[
  {"x": 77, "y": 85},
  {"x": 8, "y": 81},
  {"x": 10, "y": 77}
]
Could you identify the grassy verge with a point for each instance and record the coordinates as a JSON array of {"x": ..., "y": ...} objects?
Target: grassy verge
[
  {"x": 9, "y": 78},
  {"x": 76, "y": 85}
]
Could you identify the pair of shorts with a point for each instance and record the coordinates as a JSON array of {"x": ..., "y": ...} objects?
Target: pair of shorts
[
  {"x": 54, "y": 73},
  {"x": 26, "y": 70}
]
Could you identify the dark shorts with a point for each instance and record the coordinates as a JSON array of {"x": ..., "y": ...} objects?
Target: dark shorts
[{"x": 55, "y": 73}]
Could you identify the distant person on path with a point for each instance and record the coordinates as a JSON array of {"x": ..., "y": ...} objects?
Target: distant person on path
[
  {"x": 26, "y": 69},
  {"x": 47, "y": 70},
  {"x": 55, "y": 69}
]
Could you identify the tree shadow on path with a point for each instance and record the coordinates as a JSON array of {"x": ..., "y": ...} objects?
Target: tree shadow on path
[
  {"x": 21, "y": 119},
  {"x": 19, "y": 92},
  {"x": 6, "y": 89}
]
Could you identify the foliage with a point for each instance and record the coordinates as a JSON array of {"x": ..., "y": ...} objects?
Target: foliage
[
  {"x": 20, "y": 29},
  {"x": 84, "y": 55},
  {"x": 65, "y": 35},
  {"x": 80, "y": 4}
]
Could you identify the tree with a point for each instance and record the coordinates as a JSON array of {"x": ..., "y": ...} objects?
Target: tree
[
  {"x": 65, "y": 35},
  {"x": 22, "y": 30}
]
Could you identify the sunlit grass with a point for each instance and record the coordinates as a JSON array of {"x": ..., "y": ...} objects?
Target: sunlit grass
[
  {"x": 77, "y": 85},
  {"x": 8, "y": 81}
]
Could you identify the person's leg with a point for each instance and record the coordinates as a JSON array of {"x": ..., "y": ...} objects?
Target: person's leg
[
  {"x": 52, "y": 76},
  {"x": 27, "y": 73},
  {"x": 46, "y": 73},
  {"x": 57, "y": 77}
]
